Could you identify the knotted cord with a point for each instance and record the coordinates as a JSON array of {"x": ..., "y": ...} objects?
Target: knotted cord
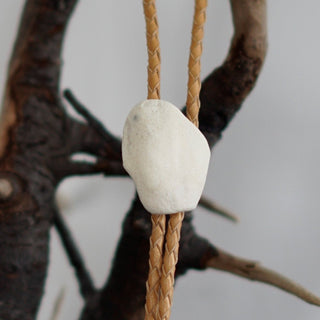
[{"x": 160, "y": 283}]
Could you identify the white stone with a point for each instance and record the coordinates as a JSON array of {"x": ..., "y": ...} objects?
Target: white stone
[{"x": 166, "y": 156}]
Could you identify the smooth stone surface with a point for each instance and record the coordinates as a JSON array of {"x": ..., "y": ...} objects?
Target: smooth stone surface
[{"x": 166, "y": 156}]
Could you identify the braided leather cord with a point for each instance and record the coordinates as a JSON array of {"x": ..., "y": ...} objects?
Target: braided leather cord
[
  {"x": 152, "y": 32},
  {"x": 170, "y": 260},
  {"x": 158, "y": 306},
  {"x": 158, "y": 221},
  {"x": 193, "y": 105},
  {"x": 194, "y": 66}
]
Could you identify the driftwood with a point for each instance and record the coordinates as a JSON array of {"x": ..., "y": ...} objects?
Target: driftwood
[{"x": 38, "y": 138}]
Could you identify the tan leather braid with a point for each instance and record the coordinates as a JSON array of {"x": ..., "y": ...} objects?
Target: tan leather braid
[
  {"x": 193, "y": 105},
  {"x": 155, "y": 265},
  {"x": 170, "y": 260},
  {"x": 194, "y": 66},
  {"x": 158, "y": 221},
  {"x": 152, "y": 31},
  {"x": 158, "y": 307}
]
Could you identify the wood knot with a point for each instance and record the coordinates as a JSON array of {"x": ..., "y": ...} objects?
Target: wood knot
[
  {"x": 14, "y": 195},
  {"x": 10, "y": 187},
  {"x": 6, "y": 189}
]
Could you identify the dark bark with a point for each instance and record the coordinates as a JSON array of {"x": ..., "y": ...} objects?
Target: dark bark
[
  {"x": 32, "y": 131},
  {"x": 225, "y": 89},
  {"x": 86, "y": 285},
  {"x": 37, "y": 140}
]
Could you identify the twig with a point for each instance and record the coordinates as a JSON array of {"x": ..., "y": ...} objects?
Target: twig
[
  {"x": 215, "y": 208},
  {"x": 86, "y": 285},
  {"x": 252, "y": 270},
  {"x": 58, "y": 305},
  {"x": 83, "y": 111},
  {"x": 78, "y": 168}
]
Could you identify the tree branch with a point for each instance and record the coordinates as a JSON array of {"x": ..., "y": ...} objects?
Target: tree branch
[
  {"x": 85, "y": 282},
  {"x": 252, "y": 270},
  {"x": 216, "y": 208},
  {"x": 91, "y": 138},
  {"x": 93, "y": 122},
  {"x": 32, "y": 128},
  {"x": 225, "y": 89}
]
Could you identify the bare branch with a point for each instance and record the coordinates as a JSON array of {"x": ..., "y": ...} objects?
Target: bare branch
[
  {"x": 91, "y": 138},
  {"x": 91, "y": 119},
  {"x": 225, "y": 89},
  {"x": 84, "y": 279},
  {"x": 216, "y": 208},
  {"x": 69, "y": 168},
  {"x": 32, "y": 129},
  {"x": 58, "y": 305},
  {"x": 252, "y": 270}
]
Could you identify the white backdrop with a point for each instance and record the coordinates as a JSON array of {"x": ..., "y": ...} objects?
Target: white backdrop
[{"x": 266, "y": 167}]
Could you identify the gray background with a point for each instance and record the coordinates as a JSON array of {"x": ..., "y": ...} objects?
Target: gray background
[{"x": 266, "y": 167}]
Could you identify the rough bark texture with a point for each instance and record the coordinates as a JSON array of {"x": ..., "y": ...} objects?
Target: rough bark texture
[
  {"x": 38, "y": 138},
  {"x": 34, "y": 123}
]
